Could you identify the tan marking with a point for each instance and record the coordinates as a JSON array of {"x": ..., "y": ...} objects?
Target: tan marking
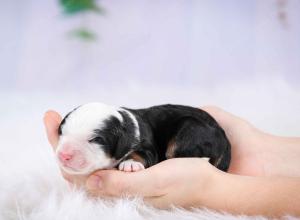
[
  {"x": 217, "y": 162},
  {"x": 171, "y": 149},
  {"x": 137, "y": 158}
]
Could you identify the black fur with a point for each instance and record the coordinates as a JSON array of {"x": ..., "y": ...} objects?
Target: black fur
[{"x": 194, "y": 132}]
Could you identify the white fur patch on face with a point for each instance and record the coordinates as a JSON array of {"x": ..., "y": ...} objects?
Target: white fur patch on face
[
  {"x": 79, "y": 129},
  {"x": 88, "y": 117},
  {"x": 94, "y": 156}
]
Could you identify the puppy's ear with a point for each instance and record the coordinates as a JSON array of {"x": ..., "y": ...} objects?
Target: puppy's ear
[
  {"x": 124, "y": 145},
  {"x": 126, "y": 137}
]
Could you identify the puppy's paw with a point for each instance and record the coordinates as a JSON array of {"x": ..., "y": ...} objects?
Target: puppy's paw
[{"x": 131, "y": 166}]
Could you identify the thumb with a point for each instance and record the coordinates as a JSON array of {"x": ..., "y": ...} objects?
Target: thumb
[
  {"x": 51, "y": 121},
  {"x": 117, "y": 183},
  {"x": 221, "y": 116}
]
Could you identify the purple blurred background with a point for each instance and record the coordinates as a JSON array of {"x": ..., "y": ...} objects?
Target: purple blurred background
[{"x": 243, "y": 56}]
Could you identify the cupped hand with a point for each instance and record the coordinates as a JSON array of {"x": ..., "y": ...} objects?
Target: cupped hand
[
  {"x": 183, "y": 182},
  {"x": 246, "y": 140},
  {"x": 248, "y": 144},
  {"x": 172, "y": 181}
]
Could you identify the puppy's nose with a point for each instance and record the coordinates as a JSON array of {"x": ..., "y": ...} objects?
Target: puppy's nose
[{"x": 65, "y": 156}]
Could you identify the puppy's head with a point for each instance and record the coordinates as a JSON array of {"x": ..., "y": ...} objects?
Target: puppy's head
[{"x": 95, "y": 136}]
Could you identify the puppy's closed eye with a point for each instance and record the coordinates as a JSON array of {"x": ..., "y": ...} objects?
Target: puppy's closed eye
[{"x": 98, "y": 140}]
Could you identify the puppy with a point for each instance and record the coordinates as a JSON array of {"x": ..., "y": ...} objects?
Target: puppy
[{"x": 98, "y": 136}]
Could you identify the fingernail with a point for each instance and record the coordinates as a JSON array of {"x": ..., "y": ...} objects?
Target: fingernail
[{"x": 93, "y": 182}]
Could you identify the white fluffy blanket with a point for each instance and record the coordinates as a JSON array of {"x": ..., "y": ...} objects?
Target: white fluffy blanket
[
  {"x": 40, "y": 193},
  {"x": 31, "y": 187}
]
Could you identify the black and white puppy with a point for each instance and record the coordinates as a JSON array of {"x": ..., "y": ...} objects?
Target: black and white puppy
[{"x": 97, "y": 136}]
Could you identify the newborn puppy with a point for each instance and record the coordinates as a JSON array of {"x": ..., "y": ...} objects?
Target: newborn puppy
[{"x": 97, "y": 136}]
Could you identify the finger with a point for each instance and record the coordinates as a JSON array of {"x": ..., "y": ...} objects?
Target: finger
[
  {"x": 118, "y": 183},
  {"x": 224, "y": 118},
  {"x": 51, "y": 121},
  {"x": 216, "y": 112},
  {"x": 153, "y": 181}
]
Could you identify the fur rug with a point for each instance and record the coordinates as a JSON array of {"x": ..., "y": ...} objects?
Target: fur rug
[
  {"x": 31, "y": 187},
  {"x": 40, "y": 193}
]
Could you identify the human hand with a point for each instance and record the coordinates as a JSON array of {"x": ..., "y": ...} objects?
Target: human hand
[
  {"x": 246, "y": 141},
  {"x": 159, "y": 185},
  {"x": 248, "y": 144},
  {"x": 193, "y": 182},
  {"x": 183, "y": 182},
  {"x": 196, "y": 182}
]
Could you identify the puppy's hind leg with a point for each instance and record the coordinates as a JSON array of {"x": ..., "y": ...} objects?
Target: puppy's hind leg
[{"x": 194, "y": 138}]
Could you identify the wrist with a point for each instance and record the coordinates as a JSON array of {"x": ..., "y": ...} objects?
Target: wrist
[{"x": 281, "y": 155}]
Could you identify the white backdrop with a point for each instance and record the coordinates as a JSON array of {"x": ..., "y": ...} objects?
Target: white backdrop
[
  {"x": 174, "y": 42},
  {"x": 239, "y": 55}
]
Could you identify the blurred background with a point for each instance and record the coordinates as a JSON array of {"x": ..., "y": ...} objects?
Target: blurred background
[{"x": 243, "y": 56}]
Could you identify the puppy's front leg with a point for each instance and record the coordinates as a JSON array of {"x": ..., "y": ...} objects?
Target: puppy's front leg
[
  {"x": 139, "y": 160},
  {"x": 130, "y": 165}
]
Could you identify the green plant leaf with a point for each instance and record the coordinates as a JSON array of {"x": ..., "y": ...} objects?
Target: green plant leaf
[
  {"x": 83, "y": 34},
  {"x": 76, "y": 6}
]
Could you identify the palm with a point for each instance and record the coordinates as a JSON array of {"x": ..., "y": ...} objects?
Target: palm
[
  {"x": 245, "y": 142},
  {"x": 246, "y": 159}
]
